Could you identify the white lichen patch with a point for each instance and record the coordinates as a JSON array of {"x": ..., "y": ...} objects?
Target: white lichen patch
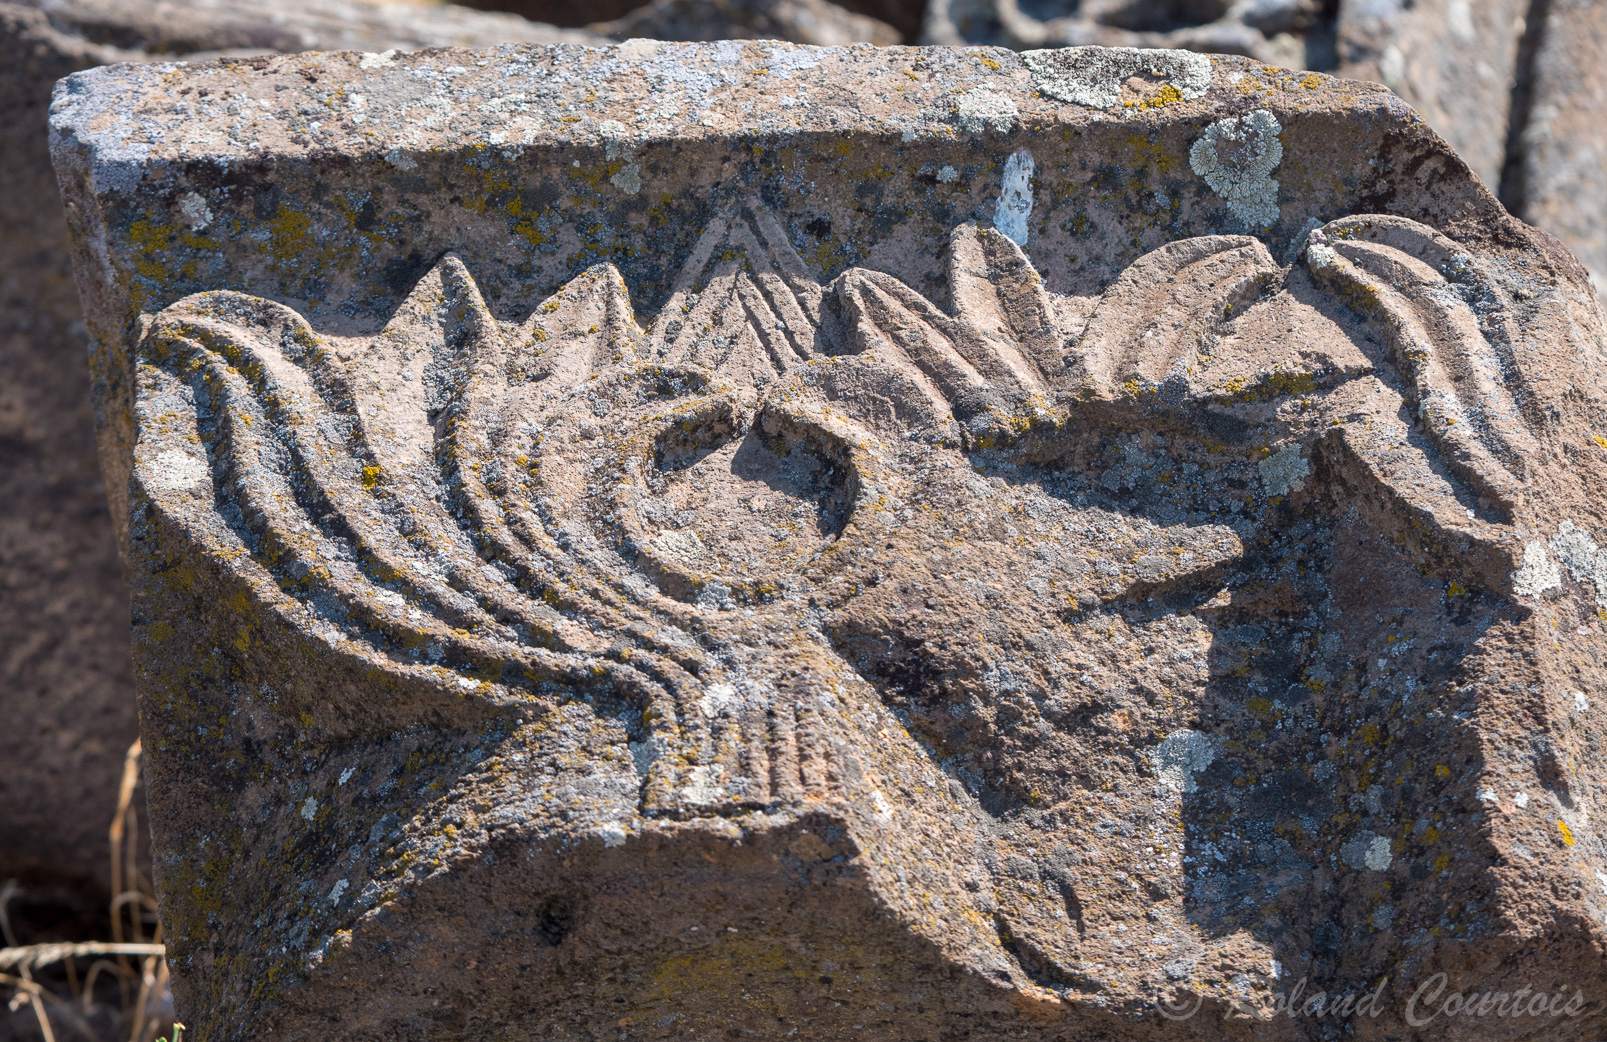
[
  {"x": 982, "y": 108},
  {"x": 1015, "y": 198},
  {"x": 616, "y": 139},
  {"x": 1538, "y": 575},
  {"x": 682, "y": 547},
  {"x": 197, "y": 214},
  {"x": 1368, "y": 850},
  {"x": 1284, "y": 471},
  {"x": 628, "y": 179},
  {"x": 1183, "y": 754},
  {"x": 1575, "y": 549},
  {"x": 1236, "y": 156},
  {"x": 371, "y": 60},
  {"x": 617, "y": 145},
  {"x": 400, "y": 159},
  {"x": 1094, "y": 76},
  {"x": 1320, "y": 255},
  {"x": 309, "y": 809},
  {"x": 716, "y": 699},
  {"x": 338, "y": 889},
  {"x": 702, "y": 785},
  {"x": 175, "y": 470},
  {"x": 1582, "y": 558}
]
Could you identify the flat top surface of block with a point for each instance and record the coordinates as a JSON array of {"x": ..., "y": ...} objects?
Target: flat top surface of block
[{"x": 532, "y": 160}]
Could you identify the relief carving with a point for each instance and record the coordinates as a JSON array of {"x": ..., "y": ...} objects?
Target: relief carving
[
  {"x": 795, "y": 545},
  {"x": 1020, "y": 564}
]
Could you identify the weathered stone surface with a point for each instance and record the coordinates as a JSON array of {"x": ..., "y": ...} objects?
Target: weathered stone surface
[
  {"x": 817, "y": 22},
  {"x": 891, "y": 543},
  {"x": 66, "y": 689},
  {"x": 1563, "y": 147}
]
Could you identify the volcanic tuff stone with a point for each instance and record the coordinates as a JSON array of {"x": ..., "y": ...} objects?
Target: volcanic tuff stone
[
  {"x": 881, "y": 543},
  {"x": 68, "y": 695}
]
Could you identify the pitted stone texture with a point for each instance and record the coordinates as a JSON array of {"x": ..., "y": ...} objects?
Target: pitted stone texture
[
  {"x": 764, "y": 596},
  {"x": 67, "y": 689}
]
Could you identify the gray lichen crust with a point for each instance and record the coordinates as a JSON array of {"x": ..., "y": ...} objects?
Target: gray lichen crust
[
  {"x": 1096, "y": 76},
  {"x": 865, "y": 574},
  {"x": 1236, "y": 156}
]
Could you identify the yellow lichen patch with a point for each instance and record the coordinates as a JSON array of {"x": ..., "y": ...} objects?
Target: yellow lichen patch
[
  {"x": 287, "y": 238},
  {"x": 154, "y": 243},
  {"x": 1141, "y": 151},
  {"x": 1567, "y": 833},
  {"x": 1159, "y": 100}
]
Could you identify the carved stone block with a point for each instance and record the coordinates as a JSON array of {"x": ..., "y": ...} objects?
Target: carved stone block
[{"x": 898, "y": 543}]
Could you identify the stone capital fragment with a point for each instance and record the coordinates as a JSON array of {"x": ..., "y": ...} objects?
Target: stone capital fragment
[{"x": 911, "y": 558}]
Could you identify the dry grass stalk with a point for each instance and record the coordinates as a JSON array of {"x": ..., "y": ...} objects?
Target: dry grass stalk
[
  {"x": 37, "y": 955},
  {"x": 140, "y": 986}
]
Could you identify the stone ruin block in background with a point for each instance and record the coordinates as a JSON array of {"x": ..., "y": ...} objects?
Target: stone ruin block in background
[
  {"x": 816, "y": 22},
  {"x": 890, "y": 543},
  {"x": 1560, "y": 180},
  {"x": 1456, "y": 61}
]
